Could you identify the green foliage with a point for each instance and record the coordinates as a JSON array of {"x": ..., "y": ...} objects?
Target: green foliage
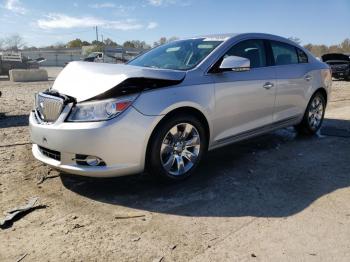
[
  {"x": 136, "y": 44},
  {"x": 97, "y": 43},
  {"x": 75, "y": 43}
]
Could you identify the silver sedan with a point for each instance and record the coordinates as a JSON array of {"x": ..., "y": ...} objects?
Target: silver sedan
[{"x": 166, "y": 108}]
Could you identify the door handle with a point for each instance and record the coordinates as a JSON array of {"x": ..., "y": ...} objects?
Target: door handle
[
  {"x": 308, "y": 77},
  {"x": 268, "y": 85}
]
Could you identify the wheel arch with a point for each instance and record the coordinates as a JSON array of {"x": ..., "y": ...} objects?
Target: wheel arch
[
  {"x": 323, "y": 92},
  {"x": 180, "y": 110}
]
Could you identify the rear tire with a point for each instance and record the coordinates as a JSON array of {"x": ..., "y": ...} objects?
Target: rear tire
[
  {"x": 313, "y": 116},
  {"x": 176, "y": 148}
]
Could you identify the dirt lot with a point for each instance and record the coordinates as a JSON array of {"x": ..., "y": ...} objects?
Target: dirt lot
[{"x": 278, "y": 197}]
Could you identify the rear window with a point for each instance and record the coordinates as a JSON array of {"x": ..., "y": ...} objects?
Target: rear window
[
  {"x": 302, "y": 57},
  {"x": 284, "y": 54}
]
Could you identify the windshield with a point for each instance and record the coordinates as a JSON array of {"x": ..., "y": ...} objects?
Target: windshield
[{"x": 178, "y": 55}]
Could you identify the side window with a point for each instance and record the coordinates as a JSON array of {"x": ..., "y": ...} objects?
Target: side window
[
  {"x": 284, "y": 54},
  {"x": 254, "y": 50},
  {"x": 302, "y": 57}
]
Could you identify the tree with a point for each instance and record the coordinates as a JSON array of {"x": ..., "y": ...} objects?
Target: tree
[
  {"x": 59, "y": 45},
  {"x": 2, "y": 42},
  {"x": 140, "y": 44},
  {"x": 163, "y": 40},
  {"x": 97, "y": 43},
  {"x": 110, "y": 42},
  {"x": 75, "y": 43},
  {"x": 14, "y": 42},
  {"x": 295, "y": 39},
  {"x": 136, "y": 44},
  {"x": 96, "y": 48},
  {"x": 173, "y": 38},
  {"x": 345, "y": 45},
  {"x": 333, "y": 49},
  {"x": 128, "y": 44},
  {"x": 85, "y": 43},
  {"x": 318, "y": 50},
  {"x": 31, "y": 48}
]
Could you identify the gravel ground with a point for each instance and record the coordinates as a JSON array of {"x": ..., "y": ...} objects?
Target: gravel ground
[{"x": 277, "y": 197}]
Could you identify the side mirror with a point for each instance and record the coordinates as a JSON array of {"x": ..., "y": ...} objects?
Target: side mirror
[{"x": 235, "y": 63}]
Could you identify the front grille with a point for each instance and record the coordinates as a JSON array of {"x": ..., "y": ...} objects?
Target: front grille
[
  {"x": 50, "y": 153},
  {"x": 48, "y": 108}
]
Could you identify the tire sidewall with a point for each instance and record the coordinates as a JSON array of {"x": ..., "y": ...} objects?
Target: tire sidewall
[
  {"x": 306, "y": 116},
  {"x": 154, "y": 162}
]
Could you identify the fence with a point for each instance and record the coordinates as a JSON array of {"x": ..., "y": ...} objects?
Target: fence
[
  {"x": 55, "y": 57},
  {"x": 59, "y": 57}
]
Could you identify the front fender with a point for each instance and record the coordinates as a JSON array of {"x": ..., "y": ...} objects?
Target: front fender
[{"x": 162, "y": 101}]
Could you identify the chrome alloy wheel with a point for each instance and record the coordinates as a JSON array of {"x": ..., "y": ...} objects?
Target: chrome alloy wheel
[
  {"x": 180, "y": 149},
  {"x": 315, "y": 112}
]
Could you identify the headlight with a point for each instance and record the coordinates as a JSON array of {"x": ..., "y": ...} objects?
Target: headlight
[{"x": 100, "y": 110}]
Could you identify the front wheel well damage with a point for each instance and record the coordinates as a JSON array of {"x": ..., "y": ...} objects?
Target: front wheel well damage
[
  {"x": 182, "y": 110},
  {"x": 323, "y": 92}
]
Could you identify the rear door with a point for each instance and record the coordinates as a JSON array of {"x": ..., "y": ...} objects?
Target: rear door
[
  {"x": 293, "y": 80},
  {"x": 244, "y": 100}
]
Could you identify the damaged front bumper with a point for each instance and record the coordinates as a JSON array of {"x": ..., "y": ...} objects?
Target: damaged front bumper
[{"x": 119, "y": 143}]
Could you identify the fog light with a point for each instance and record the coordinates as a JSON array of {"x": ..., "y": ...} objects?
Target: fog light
[
  {"x": 92, "y": 161},
  {"x": 86, "y": 160}
]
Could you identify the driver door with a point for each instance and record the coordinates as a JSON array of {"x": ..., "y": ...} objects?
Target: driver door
[{"x": 244, "y": 100}]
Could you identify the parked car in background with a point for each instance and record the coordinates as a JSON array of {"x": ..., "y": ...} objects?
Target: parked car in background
[
  {"x": 167, "y": 107},
  {"x": 339, "y": 63},
  {"x": 94, "y": 57}
]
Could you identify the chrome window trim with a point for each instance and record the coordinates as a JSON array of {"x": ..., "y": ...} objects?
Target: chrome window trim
[{"x": 264, "y": 38}]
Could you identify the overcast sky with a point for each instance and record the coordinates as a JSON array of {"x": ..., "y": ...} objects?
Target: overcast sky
[{"x": 42, "y": 22}]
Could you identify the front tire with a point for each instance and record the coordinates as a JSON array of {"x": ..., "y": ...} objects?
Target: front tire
[
  {"x": 176, "y": 148},
  {"x": 313, "y": 116}
]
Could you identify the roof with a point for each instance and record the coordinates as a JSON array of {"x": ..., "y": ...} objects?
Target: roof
[{"x": 224, "y": 37}]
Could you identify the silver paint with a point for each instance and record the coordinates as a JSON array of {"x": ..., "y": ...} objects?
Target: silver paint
[{"x": 236, "y": 106}]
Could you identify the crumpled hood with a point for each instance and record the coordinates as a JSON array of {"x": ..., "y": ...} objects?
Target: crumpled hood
[{"x": 85, "y": 80}]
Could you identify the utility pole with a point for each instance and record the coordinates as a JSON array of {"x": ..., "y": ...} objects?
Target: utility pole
[
  {"x": 96, "y": 33},
  {"x": 102, "y": 38}
]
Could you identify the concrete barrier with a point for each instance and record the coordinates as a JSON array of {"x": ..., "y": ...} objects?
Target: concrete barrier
[{"x": 28, "y": 75}]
